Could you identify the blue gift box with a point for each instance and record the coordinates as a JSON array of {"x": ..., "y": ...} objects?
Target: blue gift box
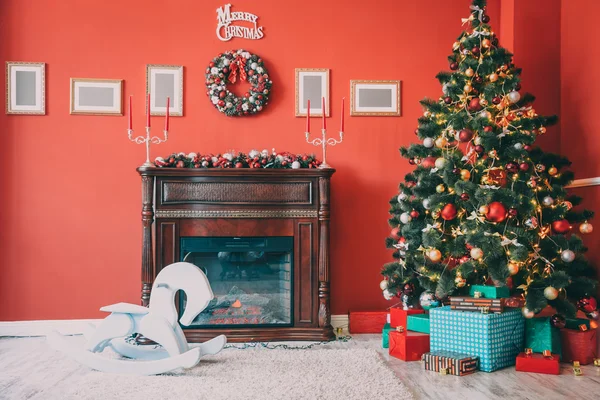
[{"x": 496, "y": 339}]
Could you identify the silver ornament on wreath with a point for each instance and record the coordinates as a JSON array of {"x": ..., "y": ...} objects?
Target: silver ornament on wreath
[{"x": 427, "y": 300}]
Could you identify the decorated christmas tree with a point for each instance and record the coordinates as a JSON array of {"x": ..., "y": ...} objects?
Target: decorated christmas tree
[{"x": 483, "y": 204}]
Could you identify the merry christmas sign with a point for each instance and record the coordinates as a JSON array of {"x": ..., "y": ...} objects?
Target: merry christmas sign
[{"x": 226, "y": 30}]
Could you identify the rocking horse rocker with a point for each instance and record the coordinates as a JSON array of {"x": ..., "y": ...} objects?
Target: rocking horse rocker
[{"x": 157, "y": 322}]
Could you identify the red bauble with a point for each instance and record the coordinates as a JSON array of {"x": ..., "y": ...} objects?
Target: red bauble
[
  {"x": 239, "y": 165},
  {"x": 395, "y": 234},
  {"x": 485, "y": 19},
  {"x": 454, "y": 66},
  {"x": 527, "y": 147},
  {"x": 221, "y": 103},
  {"x": 448, "y": 100},
  {"x": 496, "y": 100},
  {"x": 464, "y": 196},
  {"x": 448, "y": 212},
  {"x": 587, "y": 304},
  {"x": 479, "y": 149},
  {"x": 496, "y": 212},
  {"x": 180, "y": 164},
  {"x": 428, "y": 162},
  {"x": 414, "y": 214},
  {"x": 475, "y": 51},
  {"x": 222, "y": 94},
  {"x": 411, "y": 161},
  {"x": 478, "y": 79},
  {"x": 512, "y": 167},
  {"x": 488, "y": 129},
  {"x": 561, "y": 226},
  {"x": 524, "y": 167},
  {"x": 465, "y": 135}
]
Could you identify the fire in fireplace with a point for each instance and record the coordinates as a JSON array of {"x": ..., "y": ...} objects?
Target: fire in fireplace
[{"x": 251, "y": 278}]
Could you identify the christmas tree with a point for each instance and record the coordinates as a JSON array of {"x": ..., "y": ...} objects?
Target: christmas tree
[{"x": 483, "y": 205}]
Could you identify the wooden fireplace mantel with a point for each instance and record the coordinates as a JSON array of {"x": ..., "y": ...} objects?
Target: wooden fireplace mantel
[{"x": 244, "y": 202}]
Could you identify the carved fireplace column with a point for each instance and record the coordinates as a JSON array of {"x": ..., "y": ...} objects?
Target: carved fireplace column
[
  {"x": 147, "y": 253},
  {"x": 324, "y": 311}
]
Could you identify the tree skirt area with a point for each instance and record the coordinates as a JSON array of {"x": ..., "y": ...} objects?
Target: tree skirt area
[{"x": 30, "y": 369}]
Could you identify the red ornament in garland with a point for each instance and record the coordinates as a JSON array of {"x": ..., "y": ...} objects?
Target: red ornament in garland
[
  {"x": 561, "y": 226},
  {"x": 496, "y": 212},
  {"x": 475, "y": 104},
  {"x": 448, "y": 212},
  {"x": 414, "y": 214},
  {"x": 524, "y": 167},
  {"x": 587, "y": 304},
  {"x": 428, "y": 162},
  {"x": 465, "y": 135},
  {"x": 395, "y": 234},
  {"x": 454, "y": 66}
]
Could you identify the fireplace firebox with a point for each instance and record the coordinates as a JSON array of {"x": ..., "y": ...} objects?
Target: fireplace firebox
[{"x": 260, "y": 235}]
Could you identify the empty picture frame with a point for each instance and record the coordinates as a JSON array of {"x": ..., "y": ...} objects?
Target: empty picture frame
[
  {"x": 312, "y": 84},
  {"x": 164, "y": 81},
  {"x": 25, "y": 88},
  {"x": 370, "y": 97},
  {"x": 96, "y": 96}
]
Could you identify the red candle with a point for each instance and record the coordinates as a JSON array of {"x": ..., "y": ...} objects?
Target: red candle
[
  {"x": 148, "y": 112},
  {"x": 342, "y": 123},
  {"x": 308, "y": 117},
  {"x": 167, "y": 119},
  {"x": 130, "y": 117},
  {"x": 324, "y": 118}
]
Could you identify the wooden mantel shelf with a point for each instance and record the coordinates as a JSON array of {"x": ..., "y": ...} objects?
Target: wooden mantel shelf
[{"x": 187, "y": 202}]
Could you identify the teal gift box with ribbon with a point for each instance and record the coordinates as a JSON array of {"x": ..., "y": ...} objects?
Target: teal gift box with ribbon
[
  {"x": 496, "y": 339},
  {"x": 418, "y": 323},
  {"x": 490, "y": 292},
  {"x": 540, "y": 335},
  {"x": 385, "y": 335}
]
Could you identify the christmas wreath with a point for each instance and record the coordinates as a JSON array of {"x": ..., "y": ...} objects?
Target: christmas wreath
[
  {"x": 254, "y": 159},
  {"x": 229, "y": 67}
]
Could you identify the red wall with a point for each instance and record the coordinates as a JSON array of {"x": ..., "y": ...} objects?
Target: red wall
[{"x": 70, "y": 210}]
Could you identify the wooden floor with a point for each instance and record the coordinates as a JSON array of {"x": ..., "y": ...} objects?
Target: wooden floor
[{"x": 503, "y": 384}]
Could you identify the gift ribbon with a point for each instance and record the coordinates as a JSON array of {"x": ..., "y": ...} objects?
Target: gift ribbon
[{"x": 238, "y": 64}]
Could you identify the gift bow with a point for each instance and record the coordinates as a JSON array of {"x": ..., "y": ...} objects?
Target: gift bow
[
  {"x": 430, "y": 227},
  {"x": 478, "y": 10},
  {"x": 480, "y": 33},
  {"x": 508, "y": 241},
  {"x": 238, "y": 64}
]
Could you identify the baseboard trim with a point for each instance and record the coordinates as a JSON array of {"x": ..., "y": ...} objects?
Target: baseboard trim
[
  {"x": 585, "y": 182},
  {"x": 41, "y": 328},
  {"x": 78, "y": 326}
]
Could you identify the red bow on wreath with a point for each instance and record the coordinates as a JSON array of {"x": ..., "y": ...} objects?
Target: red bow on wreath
[{"x": 238, "y": 64}]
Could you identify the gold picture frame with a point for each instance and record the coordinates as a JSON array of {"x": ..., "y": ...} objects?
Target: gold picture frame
[
  {"x": 375, "y": 98},
  {"x": 25, "y": 88},
  {"x": 312, "y": 84},
  {"x": 92, "y": 96},
  {"x": 160, "y": 86}
]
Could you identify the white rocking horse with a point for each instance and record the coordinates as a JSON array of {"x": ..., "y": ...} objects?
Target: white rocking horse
[{"x": 157, "y": 322}]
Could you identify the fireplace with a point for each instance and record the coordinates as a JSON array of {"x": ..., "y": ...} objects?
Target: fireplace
[
  {"x": 260, "y": 235},
  {"x": 251, "y": 279}
]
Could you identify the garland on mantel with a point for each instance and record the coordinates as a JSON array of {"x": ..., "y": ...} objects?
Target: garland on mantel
[{"x": 254, "y": 159}]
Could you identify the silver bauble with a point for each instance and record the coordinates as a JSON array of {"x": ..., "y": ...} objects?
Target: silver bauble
[
  {"x": 428, "y": 142},
  {"x": 547, "y": 201},
  {"x": 383, "y": 284},
  {"x": 426, "y": 204},
  {"x": 405, "y": 218},
  {"x": 567, "y": 256},
  {"x": 514, "y": 96},
  {"x": 427, "y": 300},
  {"x": 402, "y": 197},
  {"x": 527, "y": 313},
  {"x": 387, "y": 295},
  {"x": 518, "y": 146}
]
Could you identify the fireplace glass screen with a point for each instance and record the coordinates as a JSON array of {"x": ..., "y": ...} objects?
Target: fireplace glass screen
[{"x": 251, "y": 279}]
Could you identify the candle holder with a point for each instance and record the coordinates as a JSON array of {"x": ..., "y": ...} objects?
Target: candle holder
[
  {"x": 147, "y": 140},
  {"x": 324, "y": 142}
]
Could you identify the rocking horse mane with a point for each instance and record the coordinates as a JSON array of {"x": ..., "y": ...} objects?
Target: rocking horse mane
[{"x": 185, "y": 277}]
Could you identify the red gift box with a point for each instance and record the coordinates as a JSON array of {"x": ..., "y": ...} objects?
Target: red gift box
[
  {"x": 408, "y": 346},
  {"x": 578, "y": 345},
  {"x": 398, "y": 316},
  {"x": 367, "y": 321},
  {"x": 538, "y": 363}
]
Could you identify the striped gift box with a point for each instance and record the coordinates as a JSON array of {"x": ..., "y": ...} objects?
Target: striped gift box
[
  {"x": 477, "y": 304},
  {"x": 451, "y": 362},
  {"x": 496, "y": 339}
]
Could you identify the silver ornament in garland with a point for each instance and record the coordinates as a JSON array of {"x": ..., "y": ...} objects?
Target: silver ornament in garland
[{"x": 567, "y": 256}]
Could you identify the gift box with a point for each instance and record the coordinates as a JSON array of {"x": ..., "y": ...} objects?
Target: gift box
[
  {"x": 576, "y": 323},
  {"x": 540, "y": 335},
  {"x": 399, "y": 317},
  {"x": 385, "y": 337},
  {"x": 538, "y": 363},
  {"x": 450, "y": 362},
  {"x": 490, "y": 292},
  {"x": 578, "y": 345},
  {"x": 418, "y": 323},
  {"x": 408, "y": 346},
  {"x": 496, "y": 339},
  {"x": 477, "y": 304},
  {"x": 366, "y": 321}
]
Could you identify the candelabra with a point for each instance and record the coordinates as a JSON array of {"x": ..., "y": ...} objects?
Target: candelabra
[
  {"x": 325, "y": 141},
  {"x": 147, "y": 140}
]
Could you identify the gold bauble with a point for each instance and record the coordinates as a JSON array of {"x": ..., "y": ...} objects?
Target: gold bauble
[
  {"x": 513, "y": 268},
  {"x": 440, "y": 188},
  {"x": 465, "y": 174},
  {"x": 552, "y": 171},
  {"x": 484, "y": 209},
  {"x": 485, "y": 43},
  {"x": 468, "y": 88},
  {"x": 493, "y": 77},
  {"x": 542, "y": 130},
  {"x": 460, "y": 281},
  {"x": 469, "y": 72},
  {"x": 586, "y": 228},
  {"x": 435, "y": 255},
  {"x": 441, "y": 142}
]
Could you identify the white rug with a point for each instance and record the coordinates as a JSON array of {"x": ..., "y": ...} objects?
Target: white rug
[{"x": 29, "y": 369}]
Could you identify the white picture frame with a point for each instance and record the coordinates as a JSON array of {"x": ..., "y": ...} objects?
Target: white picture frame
[
  {"x": 96, "y": 96},
  {"x": 312, "y": 84},
  {"x": 375, "y": 98},
  {"x": 164, "y": 81},
  {"x": 25, "y": 88}
]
